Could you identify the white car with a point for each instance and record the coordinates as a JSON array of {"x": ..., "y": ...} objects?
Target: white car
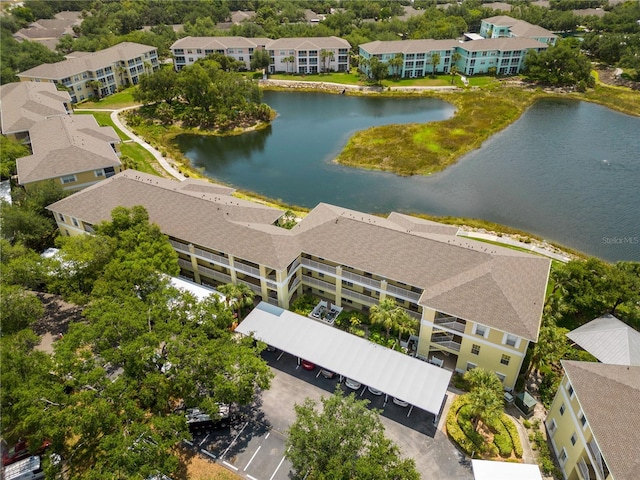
[
  {"x": 402, "y": 403},
  {"x": 374, "y": 391},
  {"x": 352, "y": 384}
]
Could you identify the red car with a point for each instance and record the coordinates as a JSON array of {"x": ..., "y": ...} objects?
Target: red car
[
  {"x": 307, "y": 365},
  {"x": 21, "y": 451}
]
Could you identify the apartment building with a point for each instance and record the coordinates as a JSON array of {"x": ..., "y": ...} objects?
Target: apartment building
[
  {"x": 477, "y": 304},
  {"x": 23, "y": 104},
  {"x": 594, "y": 421},
  {"x": 293, "y": 55},
  {"x": 504, "y": 26},
  {"x": 72, "y": 150},
  {"x": 502, "y": 48},
  {"x": 97, "y": 74}
]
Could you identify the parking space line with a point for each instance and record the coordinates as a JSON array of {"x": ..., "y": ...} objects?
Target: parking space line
[
  {"x": 230, "y": 466},
  {"x": 278, "y": 467},
  {"x": 252, "y": 478},
  {"x": 203, "y": 440},
  {"x": 234, "y": 440},
  {"x": 267, "y": 435},
  {"x": 208, "y": 453},
  {"x": 252, "y": 457}
]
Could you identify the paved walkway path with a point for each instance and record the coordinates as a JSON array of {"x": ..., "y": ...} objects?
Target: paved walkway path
[
  {"x": 345, "y": 87},
  {"x": 157, "y": 155}
]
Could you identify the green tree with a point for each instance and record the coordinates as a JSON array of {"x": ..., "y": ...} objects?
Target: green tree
[
  {"x": 560, "y": 65},
  {"x": 238, "y": 296},
  {"x": 435, "y": 60},
  {"x": 260, "y": 59},
  {"x": 10, "y": 150},
  {"x": 387, "y": 314},
  {"x": 378, "y": 70},
  {"x": 396, "y": 64},
  {"x": 290, "y": 60},
  {"x": 484, "y": 405},
  {"x": 158, "y": 86},
  {"x": 18, "y": 309},
  {"x": 481, "y": 378},
  {"x": 550, "y": 347},
  {"x": 326, "y": 56},
  {"x": 455, "y": 58},
  {"x": 343, "y": 439}
]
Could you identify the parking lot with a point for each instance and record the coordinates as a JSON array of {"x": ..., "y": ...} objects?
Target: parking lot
[{"x": 254, "y": 446}]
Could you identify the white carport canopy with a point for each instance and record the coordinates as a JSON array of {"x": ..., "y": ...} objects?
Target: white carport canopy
[
  {"x": 416, "y": 382},
  {"x": 489, "y": 470}
]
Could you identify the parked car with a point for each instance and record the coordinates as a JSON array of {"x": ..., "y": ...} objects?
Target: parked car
[
  {"x": 327, "y": 373},
  {"x": 352, "y": 384},
  {"x": 374, "y": 391},
  {"x": 402, "y": 403},
  {"x": 307, "y": 365},
  {"x": 29, "y": 468},
  {"x": 20, "y": 451},
  {"x": 199, "y": 421}
]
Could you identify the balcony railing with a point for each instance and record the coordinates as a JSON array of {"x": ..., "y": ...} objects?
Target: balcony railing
[
  {"x": 211, "y": 256},
  {"x": 319, "y": 283},
  {"x": 361, "y": 279},
  {"x": 584, "y": 470},
  {"x": 185, "y": 264},
  {"x": 255, "y": 288},
  {"x": 412, "y": 314},
  {"x": 451, "y": 323},
  {"x": 320, "y": 267},
  {"x": 293, "y": 266},
  {"x": 358, "y": 297},
  {"x": 248, "y": 269},
  {"x": 600, "y": 465},
  {"x": 295, "y": 284},
  {"x": 179, "y": 246},
  {"x": 221, "y": 277},
  {"x": 403, "y": 293},
  {"x": 445, "y": 341}
]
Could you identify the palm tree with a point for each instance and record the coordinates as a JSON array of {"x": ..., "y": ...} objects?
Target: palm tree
[
  {"x": 386, "y": 314},
  {"x": 324, "y": 55},
  {"x": 290, "y": 60},
  {"x": 485, "y": 404},
  {"x": 404, "y": 324},
  {"x": 95, "y": 85},
  {"x": 435, "y": 60},
  {"x": 481, "y": 378},
  {"x": 237, "y": 296},
  {"x": 396, "y": 64},
  {"x": 455, "y": 57}
]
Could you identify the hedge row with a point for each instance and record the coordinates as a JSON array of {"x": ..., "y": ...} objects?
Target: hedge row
[
  {"x": 453, "y": 428},
  {"x": 515, "y": 436}
]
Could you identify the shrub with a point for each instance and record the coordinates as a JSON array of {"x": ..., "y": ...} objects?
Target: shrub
[
  {"x": 513, "y": 433},
  {"x": 304, "y": 304},
  {"x": 453, "y": 428},
  {"x": 464, "y": 420},
  {"x": 501, "y": 437},
  {"x": 526, "y": 423}
]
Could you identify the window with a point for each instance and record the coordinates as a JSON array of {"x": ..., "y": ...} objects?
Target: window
[
  {"x": 75, "y": 222},
  {"x": 321, "y": 275},
  {"x": 481, "y": 330},
  {"x": 505, "y": 359},
  {"x": 475, "y": 349},
  {"x": 510, "y": 340},
  {"x": 563, "y": 456},
  {"x": 68, "y": 179},
  {"x": 501, "y": 376},
  {"x": 552, "y": 427},
  {"x": 347, "y": 284},
  {"x": 583, "y": 419},
  {"x": 471, "y": 366},
  {"x": 99, "y": 173},
  {"x": 570, "y": 390},
  {"x": 61, "y": 217},
  {"x": 574, "y": 438},
  {"x": 562, "y": 409}
]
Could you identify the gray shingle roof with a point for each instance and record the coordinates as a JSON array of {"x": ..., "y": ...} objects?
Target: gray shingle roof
[
  {"x": 67, "y": 145},
  {"x": 501, "y": 44},
  {"x": 25, "y": 103},
  {"x": 498, "y": 287},
  {"x": 379, "y": 47},
  {"x": 610, "y": 399},
  {"x": 519, "y": 28},
  {"x": 221, "y": 43},
  {"x": 85, "y": 61},
  {"x": 609, "y": 340}
]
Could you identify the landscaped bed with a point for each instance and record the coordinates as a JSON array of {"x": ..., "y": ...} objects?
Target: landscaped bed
[{"x": 497, "y": 440}]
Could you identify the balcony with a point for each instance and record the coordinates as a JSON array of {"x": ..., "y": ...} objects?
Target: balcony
[
  {"x": 219, "y": 276},
  {"x": 179, "y": 246},
  {"x": 586, "y": 471},
  {"x": 451, "y": 323},
  {"x": 363, "y": 299},
  {"x": 326, "y": 286},
  {"x": 600, "y": 466},
  {"x": 446, "y": 341},
  {"x": 211, "y": 256},
  {"x": 253, "y": 287},
  {"x": 403, "y": 293},
  {"x": 319, "y": 267},
  {"x": 248, "y": 269},
  {"x": 361, "y": 279}
]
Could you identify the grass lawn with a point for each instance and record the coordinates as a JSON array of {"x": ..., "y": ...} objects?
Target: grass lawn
[
  {"x": 138, "y": 158},
  {"x": 120, "y": 99},
  {"x": 342, "y": 78},
  {"x": 104, "y": 120}
]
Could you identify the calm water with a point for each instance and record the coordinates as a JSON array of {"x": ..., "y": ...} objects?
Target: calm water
[{"x": 567, "y": 171}]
